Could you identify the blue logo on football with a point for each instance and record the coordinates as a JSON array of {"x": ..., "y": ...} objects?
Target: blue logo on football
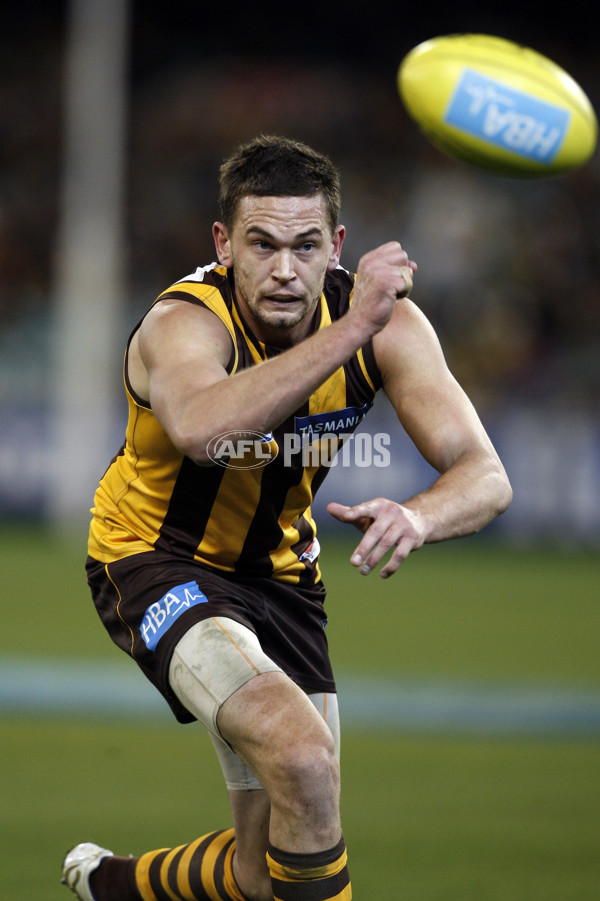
[{"x": 511, "y": 119}]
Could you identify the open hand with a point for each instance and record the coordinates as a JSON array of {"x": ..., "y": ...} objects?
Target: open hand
[{"x": 386, "y": 526}]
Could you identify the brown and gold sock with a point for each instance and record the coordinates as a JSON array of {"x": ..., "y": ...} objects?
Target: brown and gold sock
[
  {"x": 115, "y": 878},
  {"x": 199, "y": 871},
  {"x": 322, "y": 876}
]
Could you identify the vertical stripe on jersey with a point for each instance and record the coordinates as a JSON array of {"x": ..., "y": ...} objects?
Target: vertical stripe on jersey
[
  {"x": 225, "y": 537},
  {"x": 266, "y": 529},
  {"x": 190, "y": 507},
  {"x": 256, "y": 348}
]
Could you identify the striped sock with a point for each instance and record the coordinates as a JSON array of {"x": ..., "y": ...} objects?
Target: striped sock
[
  {"x": 200, "y": 871},
  {"x": 310, "y": 877}
]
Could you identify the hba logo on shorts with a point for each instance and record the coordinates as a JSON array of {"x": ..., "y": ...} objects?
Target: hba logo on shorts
[
  {"x": 160, "y": 616},
  {"x": 242, "y": 450},
  {"x": 501, "y": 115}
]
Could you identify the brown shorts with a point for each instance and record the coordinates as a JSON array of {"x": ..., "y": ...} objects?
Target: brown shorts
[{"x": 148, "y": 601}]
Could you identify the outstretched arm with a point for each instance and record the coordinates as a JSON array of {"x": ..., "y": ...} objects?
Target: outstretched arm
[{"x": 472, "y": 487}]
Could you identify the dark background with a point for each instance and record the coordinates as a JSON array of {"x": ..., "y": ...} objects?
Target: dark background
[{"x": 509, "y": 270}]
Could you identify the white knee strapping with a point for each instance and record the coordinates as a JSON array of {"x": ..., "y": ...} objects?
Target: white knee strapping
[
  {"x": 238, "y": 775},
  {"x": 326, "y": 703}
]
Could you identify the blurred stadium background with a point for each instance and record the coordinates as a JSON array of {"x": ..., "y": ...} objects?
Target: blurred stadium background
[
  {"x": 113, "y": 125},
  {"x": 482, "y": 698}
]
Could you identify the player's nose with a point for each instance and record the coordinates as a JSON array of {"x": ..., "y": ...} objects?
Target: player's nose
[{"x": 283, "y": 269}]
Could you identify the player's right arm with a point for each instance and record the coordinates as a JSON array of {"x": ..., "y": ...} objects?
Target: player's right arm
[{"x": 178, "y": 360}]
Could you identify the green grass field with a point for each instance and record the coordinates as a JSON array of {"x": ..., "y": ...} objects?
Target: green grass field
[{"x": 427, "y": 817}]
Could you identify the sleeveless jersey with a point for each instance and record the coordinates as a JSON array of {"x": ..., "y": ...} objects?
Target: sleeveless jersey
[{"x": 249, "y": 514}]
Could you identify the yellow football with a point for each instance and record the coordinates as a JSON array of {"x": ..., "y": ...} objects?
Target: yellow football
[{"x": 498, "y": 105}]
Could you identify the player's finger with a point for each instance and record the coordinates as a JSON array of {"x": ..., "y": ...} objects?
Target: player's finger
[
  {"x": 407, "y": 276},
  {"x": 339, "y": 511},
  {"x": 377, "y": 541},
  {"x": 386, "y": 544}
]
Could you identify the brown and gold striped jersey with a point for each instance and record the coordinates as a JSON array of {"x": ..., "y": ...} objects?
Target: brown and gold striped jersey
[{"x": 249, "y": 514}]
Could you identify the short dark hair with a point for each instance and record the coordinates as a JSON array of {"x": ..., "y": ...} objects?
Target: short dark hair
[{"x": 270, "y": 165}]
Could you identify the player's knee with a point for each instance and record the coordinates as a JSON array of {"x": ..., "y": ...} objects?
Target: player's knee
[
  {"x": 285, "y": 742},
  {"x": 307, "y": 777}
]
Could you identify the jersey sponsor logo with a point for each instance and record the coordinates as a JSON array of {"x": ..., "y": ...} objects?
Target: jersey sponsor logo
[
  {"x": 160, "y": 616},
  {"x": 335, "y": 422},
  {"x": 506, "y": 117},
  {"x": 242, "y": 449}
]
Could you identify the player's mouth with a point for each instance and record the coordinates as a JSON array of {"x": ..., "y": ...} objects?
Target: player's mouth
[{"x": 283, "y": 299}]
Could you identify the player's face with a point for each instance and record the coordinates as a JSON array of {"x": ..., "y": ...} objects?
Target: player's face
[{"x": 280, "y": 249}]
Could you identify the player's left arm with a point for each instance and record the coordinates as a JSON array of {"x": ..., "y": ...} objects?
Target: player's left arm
[{"x": 472, "y": 487}]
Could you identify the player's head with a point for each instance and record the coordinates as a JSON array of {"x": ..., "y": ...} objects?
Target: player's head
[{"x": 270, "y": 166}]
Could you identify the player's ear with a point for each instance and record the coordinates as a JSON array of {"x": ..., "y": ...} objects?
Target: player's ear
[
  {"x": 222, "y": 244},
  {"x": 336, "y": 247}
]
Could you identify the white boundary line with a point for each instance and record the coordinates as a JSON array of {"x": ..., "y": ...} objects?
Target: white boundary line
[{"x": 92, "y": 689}]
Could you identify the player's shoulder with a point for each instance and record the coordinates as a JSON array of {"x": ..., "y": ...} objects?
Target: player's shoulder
[
  {"x": 198, "y": 304},
  {"x": 339, "y": 279},
  {"x": 204, "y": 282},
  {"x": 408, "y": 319},
  {"x": 203, "y": 295}
]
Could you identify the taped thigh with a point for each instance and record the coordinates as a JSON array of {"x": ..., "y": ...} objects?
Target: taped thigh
[{"x": 212, "y": 660}]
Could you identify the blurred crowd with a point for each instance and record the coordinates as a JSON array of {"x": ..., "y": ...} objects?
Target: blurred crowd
[{"x": 509, "y": 270}]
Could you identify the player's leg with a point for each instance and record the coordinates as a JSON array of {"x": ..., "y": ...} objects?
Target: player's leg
[
  {"x": 213, "y": 660},
  {"x": 251, "y": 806},
  {"x": 251, "y": 816},
  {"x": 302, "y": 778},
  {"x": 204, "y": 868},
  {"x": 282, "y": 738},
  {"x": 287, "y": 745},
  {"x": 201, "y": 870},
  {"x": 275, "y": 728}
]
